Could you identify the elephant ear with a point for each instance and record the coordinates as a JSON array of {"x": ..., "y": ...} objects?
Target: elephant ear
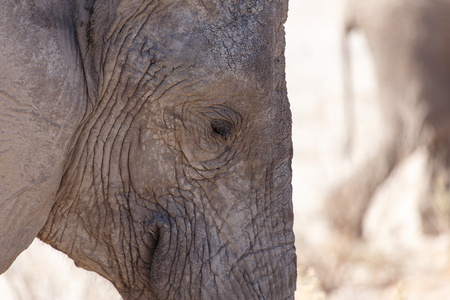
[{"x": 42, "y": 102}]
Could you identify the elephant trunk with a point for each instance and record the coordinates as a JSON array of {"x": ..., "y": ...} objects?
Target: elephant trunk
[{"x": 213, "y": 245}]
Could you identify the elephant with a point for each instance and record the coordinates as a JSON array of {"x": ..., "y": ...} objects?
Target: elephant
[
  {"x": 150, "y": 141},
  {"x": 410, "y": 46}
]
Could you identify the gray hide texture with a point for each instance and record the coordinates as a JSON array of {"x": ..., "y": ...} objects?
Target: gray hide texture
[{"x": 151, "y": 142}]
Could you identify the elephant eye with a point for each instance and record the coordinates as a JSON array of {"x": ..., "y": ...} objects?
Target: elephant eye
[{"x": 222, "y": 128}]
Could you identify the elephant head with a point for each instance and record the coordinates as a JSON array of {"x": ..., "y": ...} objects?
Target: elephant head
[{"x": 176, "y": 179}]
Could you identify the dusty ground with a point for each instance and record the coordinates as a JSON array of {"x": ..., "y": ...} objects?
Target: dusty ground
[{"x": 396, "y": 261}]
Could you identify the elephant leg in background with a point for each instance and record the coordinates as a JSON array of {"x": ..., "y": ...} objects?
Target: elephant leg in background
[
  {"x": 412, "y": 64},
  {"x": 348, "y": 202},
  {"x": 346, "y": 205},
  {"x": 435, "y": 210}
]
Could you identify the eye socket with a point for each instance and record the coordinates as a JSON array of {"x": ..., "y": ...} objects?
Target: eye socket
[{"x": 222, "y": 128}]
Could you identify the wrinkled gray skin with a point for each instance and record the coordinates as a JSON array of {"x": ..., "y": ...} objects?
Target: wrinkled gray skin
[
  {"x": 151, "y": 142},
  {"x": 410, "y": 45}
]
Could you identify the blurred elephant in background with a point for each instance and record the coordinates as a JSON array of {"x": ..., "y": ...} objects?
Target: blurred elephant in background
[
  {"x": 410, "y": 44},
  {"x": 150, "y": 141}
]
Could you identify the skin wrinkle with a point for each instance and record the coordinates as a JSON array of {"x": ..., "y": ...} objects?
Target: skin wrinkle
[
  {"x": 196, "y": 233},
  {"x": 125, "y": 28},
  {"x": 122, "y": 23},
  {"x": 256, "y": 232},
  {"x": 206, "y": 251},
  {"x": 127, "y": 113},
  {"x": 78, "y": 154},
  {"x": 269, "y": 254},
  {"x": 137, "y": 104},
  {"x": 125, "y": 148},
  {"x": 173, "y": 261},
  {"x": 183, "y": 251},
  {"x": 121, "y": 29},
  {"x": 122, "y": 45},
  {"x": 187, "y": 248},
  {"x": 169, "y": 282},
  {"x": 72, "y": 206}
]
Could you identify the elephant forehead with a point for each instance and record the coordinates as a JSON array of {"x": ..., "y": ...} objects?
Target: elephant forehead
[
  {"x": 226, "y": 35},
  {"x": 238, "y": 39}
]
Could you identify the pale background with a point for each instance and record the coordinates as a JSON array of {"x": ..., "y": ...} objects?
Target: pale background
[{"x": 396, "y": 262}]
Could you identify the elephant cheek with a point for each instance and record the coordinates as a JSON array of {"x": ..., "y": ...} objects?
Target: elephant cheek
[{"x": 152, "y": 169}]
